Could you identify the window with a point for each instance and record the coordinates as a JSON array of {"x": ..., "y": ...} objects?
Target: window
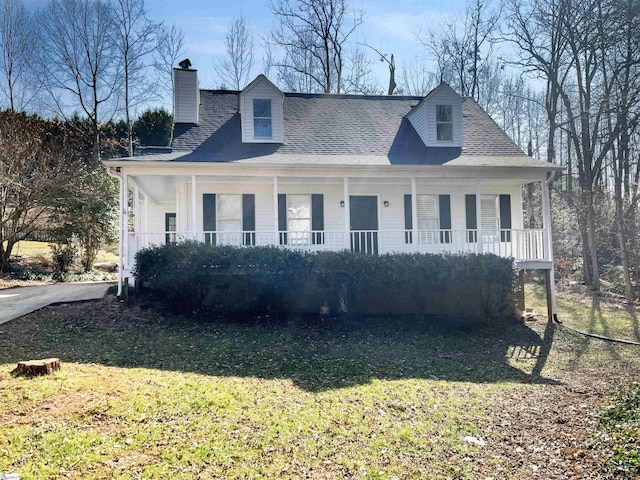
[
  {"x": 428, "y": 218},
  {"x": 489, "y": 212},
  {"x": 229, "y": 209},
  {"x": 262, "y": 118},
  {"x": 299, "y": 219},
  {"x": 170, "y": 225},
  {"x": 444, "y": 123}
]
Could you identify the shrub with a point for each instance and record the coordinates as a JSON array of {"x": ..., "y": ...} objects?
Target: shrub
[
  {"x": 63, "y": 256},
  {"x": 225, "y": 280}
]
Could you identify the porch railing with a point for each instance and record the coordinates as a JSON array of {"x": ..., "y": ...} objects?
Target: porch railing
[{"x": 523, "y": 245}]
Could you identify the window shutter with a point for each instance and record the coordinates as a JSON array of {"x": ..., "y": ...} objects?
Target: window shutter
[
  {"x": 249, "y": 218},
  {"x": 408, "y": 219},
  {"x": 317, "y": 218},
  {"x": 445, "y": 218},
  {"x": 209, "y": 217},
  {"x": 282, "y": 217},
  {"x": 505, "y": 218},
  {"x": 472, "y": 218}
]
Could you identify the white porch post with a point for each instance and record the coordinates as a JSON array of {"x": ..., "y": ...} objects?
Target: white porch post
[
  {"x": 125, "y": 220},
  {"x": 548, "y": 247},
  {"x": 414, "y": 212},
  {"x": 479, "y": 218},
  {"x": 120, "y": 236},
  {"x": 347, "y": 214},
  {"x": 178, "y": 213},
  {"x": 276, "y": 220},
  {"x": 136, "y": 207},
  {"x": 194, "y": 208},
  {"x": 146, "y": 214}
]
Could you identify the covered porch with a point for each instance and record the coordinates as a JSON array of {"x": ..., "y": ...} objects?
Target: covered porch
[{"x": 315, "y": 211}]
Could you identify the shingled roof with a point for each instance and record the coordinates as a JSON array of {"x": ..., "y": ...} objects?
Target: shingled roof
[{"x": 325, "y": 129}]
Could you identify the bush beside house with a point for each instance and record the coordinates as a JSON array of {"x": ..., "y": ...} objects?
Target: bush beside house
[{"x": 225, "y": 280}]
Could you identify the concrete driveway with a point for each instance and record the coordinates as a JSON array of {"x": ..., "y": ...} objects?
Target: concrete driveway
[{"x": 16, "y": 302}]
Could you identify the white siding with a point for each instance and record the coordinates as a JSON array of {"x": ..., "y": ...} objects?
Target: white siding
[
  {"x": 262, "y": 90},
  {"x": 157, "y": 212},
  {"x": 418, "y": 119},
  {"x": 391, "y": 218},
  {"x": 182, "y": 207},
  {"x": 458, "y": 207},
  {"x": 186, "y": 96}
]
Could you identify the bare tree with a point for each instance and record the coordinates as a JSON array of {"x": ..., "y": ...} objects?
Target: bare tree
[
  {"x": 391, "y": 63},
  {"x": 79, "y": 67},
  {"x": 416, "y": 79},
  {"x": 169, "y": 50},
  {"x": 463, "y": 52},
  {"x": 359, "y": 77},
  {"x": 573, "y": 45},
  {"x": 318, "y": 31},
  {"x": 134, "y": 37},
  {"x": 300, "y": 77},
  {"x": 623, "y": 63},
  {"x": 235, "y": 68},
  {"x": 17, "y": 44}
]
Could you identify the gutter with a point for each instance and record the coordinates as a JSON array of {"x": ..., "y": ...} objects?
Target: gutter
[{"x": 115, "y": 173}]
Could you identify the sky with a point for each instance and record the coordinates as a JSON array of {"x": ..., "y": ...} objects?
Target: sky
[{"x": 390, "y": 26}]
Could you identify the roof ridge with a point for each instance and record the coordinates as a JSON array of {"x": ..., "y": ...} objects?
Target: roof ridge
[{"x": 324, "y": 95}]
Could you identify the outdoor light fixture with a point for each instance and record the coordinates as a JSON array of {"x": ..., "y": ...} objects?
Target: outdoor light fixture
[
  {"x": 342, "y": 203},
  {"x": 386, "y": 203}
]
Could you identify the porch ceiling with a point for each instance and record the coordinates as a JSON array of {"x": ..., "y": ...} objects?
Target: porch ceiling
[{"x": 162, "y": 188}]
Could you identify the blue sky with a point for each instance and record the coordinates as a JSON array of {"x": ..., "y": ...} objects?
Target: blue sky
[{"x": 390, "y": 26}]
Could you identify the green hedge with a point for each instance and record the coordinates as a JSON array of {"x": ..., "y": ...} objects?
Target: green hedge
[{"x": 470, "y": 289}]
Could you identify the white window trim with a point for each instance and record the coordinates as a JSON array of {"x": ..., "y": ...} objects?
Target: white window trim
[{"x": 270, "y": 118}]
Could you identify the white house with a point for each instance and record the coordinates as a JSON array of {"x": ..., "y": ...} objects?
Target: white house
[{"x": 375, "y": 174}]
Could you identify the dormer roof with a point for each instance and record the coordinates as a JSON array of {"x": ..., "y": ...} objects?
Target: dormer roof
[{"x": 261, "y": 79}]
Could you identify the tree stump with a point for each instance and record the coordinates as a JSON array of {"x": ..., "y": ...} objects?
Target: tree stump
[{"x": 37, "y": 367}]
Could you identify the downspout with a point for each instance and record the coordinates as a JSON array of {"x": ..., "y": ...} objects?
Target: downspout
[{"x": 115, "y": 173}]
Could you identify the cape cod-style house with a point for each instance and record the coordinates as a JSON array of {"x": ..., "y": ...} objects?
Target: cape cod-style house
[{"x": 373, "y": 174}]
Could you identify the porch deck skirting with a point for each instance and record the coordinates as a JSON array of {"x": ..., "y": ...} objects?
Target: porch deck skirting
[{"x": 524, "y": 245}]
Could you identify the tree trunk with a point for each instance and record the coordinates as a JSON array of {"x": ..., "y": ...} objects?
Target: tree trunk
[
  {"x": 582, "y": 224},
  {"x": 624, "y": 252},
  {"x": 5, "y": 254},
  {"x": 591, "y": 237},
  {"x": 38, "y": 367}
]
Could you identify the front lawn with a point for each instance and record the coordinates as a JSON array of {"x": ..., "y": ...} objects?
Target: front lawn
[
  {"x": 609, "y": 315},
  {"x": 142, "y": 396}
]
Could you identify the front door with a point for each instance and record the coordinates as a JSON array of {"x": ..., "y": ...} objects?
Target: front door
[{"x": 364, "y": 223}]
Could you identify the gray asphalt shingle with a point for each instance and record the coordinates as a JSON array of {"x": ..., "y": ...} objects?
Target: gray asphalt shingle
[{"x": 340, "y": 129}]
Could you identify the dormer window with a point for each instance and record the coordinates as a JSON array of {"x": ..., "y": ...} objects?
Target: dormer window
[
  {"x": 262, "y": 126},
  {"x": 444, "y": 123}
]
